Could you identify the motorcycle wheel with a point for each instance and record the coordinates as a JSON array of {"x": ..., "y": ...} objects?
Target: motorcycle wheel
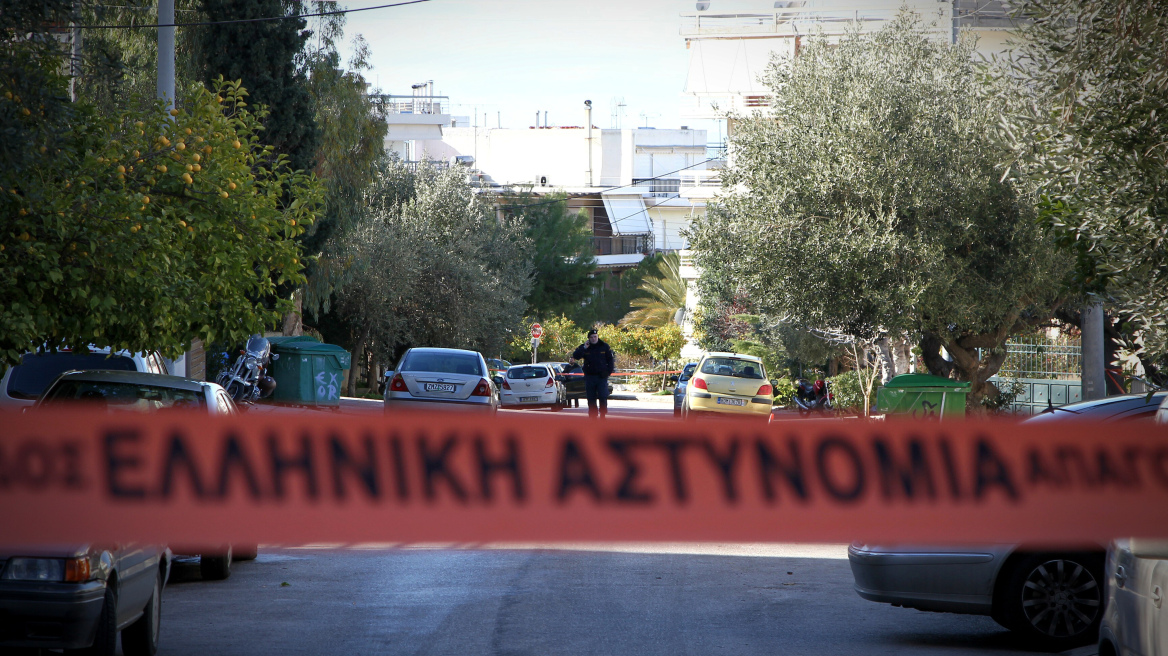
[{"x": 236, "y": 391}]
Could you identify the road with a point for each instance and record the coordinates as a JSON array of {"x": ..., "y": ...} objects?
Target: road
[{"x": 502, "y": 599}]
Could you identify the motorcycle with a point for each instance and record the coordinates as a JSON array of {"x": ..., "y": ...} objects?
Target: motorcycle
[
  {"x": 247, "y": 380},
  {"x": 812, "y": 397}
]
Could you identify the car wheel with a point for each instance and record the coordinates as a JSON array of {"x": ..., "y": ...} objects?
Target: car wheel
[
  {"x": 244, "y": 551},
  {"x": 1055, "y": 598},
  {"x": 141, "y": 637},
  {"x": 215, "y": 568},
  {"x": 105, "y": 642}
]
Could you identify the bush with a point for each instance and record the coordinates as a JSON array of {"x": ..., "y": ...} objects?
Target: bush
[
  {"x": 784, "y": 391},
  {"x": 848, "y": 395}
]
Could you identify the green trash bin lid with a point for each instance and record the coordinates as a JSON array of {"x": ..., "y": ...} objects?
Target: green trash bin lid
[
  {"x": 913, "y": 381},
  {"x": 282, "y": 341},
  {"x": 313, "y": 347}
]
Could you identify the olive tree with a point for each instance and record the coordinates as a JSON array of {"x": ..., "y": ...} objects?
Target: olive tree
[
  {"x": 868, "y": 201},
  {"x": 1092, "y": 140}
]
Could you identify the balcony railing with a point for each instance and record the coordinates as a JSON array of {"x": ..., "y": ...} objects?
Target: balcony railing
[
  {"x": 710, "y": 179},
  {"x": 415, "y": 104},
  {"x": 621, "y": 245},
  {"x": 658, "y": 187}
]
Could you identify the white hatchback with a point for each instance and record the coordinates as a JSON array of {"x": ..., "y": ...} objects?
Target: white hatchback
[{"x": 532, "y": 385}]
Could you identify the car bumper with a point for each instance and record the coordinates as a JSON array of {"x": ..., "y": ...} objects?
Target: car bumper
[
  {"x": 926, "y": 579},
  {"x": 754, "y": 407},
  {"x": 396, "y": 405},
  {"x": 49, "y": 615},
  {"x": 512, "y": 399}
]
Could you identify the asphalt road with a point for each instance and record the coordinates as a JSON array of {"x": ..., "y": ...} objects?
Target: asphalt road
[{"x": 624, "y": 599}]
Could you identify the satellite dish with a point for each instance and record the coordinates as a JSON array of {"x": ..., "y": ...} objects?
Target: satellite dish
[{"x": 703, "y": 5}]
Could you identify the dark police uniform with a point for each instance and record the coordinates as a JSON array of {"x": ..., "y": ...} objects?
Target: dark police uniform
[{"x": 598, "y": 363}]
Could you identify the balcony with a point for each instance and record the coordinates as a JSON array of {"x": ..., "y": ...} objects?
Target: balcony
[
  {"x": 621, "y": 245},
  {"x": 395, "y": 104},
  {"x": 658, "y": 187},
  {"x": 700, "y": 184}
]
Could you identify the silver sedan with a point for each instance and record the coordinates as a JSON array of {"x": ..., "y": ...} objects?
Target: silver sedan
[{"x": 441, "y": 378}]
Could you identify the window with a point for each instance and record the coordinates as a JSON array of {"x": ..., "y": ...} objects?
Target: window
[
  {"x": 442, "y": 362},
  {"x": 527, "y": 373},
  {"x": 732, "y": 367},
  {"x": 37, "y": 370},
  {"x": 125, "y": 396}
]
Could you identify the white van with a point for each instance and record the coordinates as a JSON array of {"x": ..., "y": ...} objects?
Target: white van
[{"x": 23, "y": 384}]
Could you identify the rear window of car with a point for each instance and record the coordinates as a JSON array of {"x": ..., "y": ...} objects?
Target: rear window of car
[
  {"x": 732, "y": 367},
  {"x": 527, "y": 373},
  {"x": 125, "y": 396},
  {"x": 442, "y": 363},
  {"x": 37, "y": 370}
]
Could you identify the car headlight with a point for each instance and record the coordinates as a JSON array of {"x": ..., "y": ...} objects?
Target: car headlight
[{"x": 47, "y": 569}]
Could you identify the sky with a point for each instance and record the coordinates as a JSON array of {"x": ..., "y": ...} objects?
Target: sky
[{"x": 510, "y": 58}]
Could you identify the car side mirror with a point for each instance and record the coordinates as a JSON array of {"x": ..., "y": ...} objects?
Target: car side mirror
[{"x": 275, "y": 356}]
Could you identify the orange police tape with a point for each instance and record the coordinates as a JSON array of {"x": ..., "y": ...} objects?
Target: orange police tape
[{"x": 70, "y": 476}]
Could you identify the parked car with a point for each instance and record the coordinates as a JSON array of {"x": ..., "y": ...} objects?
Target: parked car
[
  {"x": 682, "y": 383},
  {"x": 731, "y": 384},
  {"x": 1135, "y": 622},
  {"x": 441, "y": 378},
  {"x": 1055, "y": 597},
  {"x": 1123, "y": 407},
  {"x": 81, "y": 597},
  {"x": 132, "y": 390},
  {"x": 23, "y": 384},
  {"x": 532, "y": 386},
  {"x": 495, "y": 364},
  {"x": 129, "y": 391}
]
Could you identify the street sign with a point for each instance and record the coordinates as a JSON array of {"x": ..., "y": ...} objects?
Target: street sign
[{"x": 536, "y": 331}]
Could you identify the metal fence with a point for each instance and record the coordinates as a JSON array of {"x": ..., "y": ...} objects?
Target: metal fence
[{"x": 1059, "y": 358}]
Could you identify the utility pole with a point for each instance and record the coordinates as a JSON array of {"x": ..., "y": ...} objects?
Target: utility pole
[
  {"x": 1094, "y": 372},
  {"x": 166, "y": 52}
]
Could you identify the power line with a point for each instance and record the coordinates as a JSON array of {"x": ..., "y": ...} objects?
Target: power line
[{"x": 249, "y": 20}]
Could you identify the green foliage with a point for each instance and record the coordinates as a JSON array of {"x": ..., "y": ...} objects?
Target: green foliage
[
  {"x": 614, "y": 294},
  {"x": 561, "y": 336},
  {"x": 784, "y": 391},
  {"x": 848, "y": 393},
  {"x": 139, "y": 230},
  {"x": 873, "y": 182},
  {"x": 772, "y": 359},
  {"x": 267, "y": 57},
  {"x": 560, "y": 253},
  {"x": 432, "y": 266},
  {"x": 662, "y": 294},
  {"x": 1092, "y": 141}
]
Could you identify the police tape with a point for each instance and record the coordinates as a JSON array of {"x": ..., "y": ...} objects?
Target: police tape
[{"x": 75, "y": 476}]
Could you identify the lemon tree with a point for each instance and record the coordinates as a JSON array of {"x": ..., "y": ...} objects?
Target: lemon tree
[{"x": 142, "y": 229}]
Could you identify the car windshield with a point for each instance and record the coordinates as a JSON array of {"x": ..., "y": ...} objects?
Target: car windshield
[
  {"x": 125, "y": 396},
  {"x": 37, "y": 370},
  {"x": 527, "y": 373},
  {"x": 732, "y": 367},
  {"x": 442, "y": 362}
]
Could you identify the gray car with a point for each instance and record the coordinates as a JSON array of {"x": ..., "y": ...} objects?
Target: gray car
[
  {"x": 441, "y": 379},
  {"x": 133, "y": 391},
  {"x": 1055, "y": 597},
  {"x": 81, "y": 597}
]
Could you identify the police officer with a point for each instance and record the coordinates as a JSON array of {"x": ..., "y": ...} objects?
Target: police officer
[{"x": 599, "y": 363}]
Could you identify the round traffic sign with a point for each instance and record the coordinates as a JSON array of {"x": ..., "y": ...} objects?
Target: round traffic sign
[{"x": 536, "y": 330}]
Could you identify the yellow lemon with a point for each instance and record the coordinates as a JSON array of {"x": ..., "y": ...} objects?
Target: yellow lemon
[
  {"x": 231, "y": 185},
  {"x": 121, "y": 169},
  {"x": 235, "y": 144},
  {"x": 174, "y": 112},
  {"x": 196, "y": 168},
  {"x": 161, "y": 168},
  {"x": 223, "y": 194}
]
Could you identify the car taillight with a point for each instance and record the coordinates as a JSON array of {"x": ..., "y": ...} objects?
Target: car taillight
[
  {"x": 505, "y": 385},
  {"x": 699, "y": 383},
  {"x": 398, "y": 384},
  {"x": 765, "y": 390},
  {"x": 550, "y": 383},
  {"x": 482, "y": 389}
]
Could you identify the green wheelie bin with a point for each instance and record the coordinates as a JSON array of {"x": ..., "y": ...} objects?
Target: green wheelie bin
[
  {"x": 308, "y": 372},
  {"x": 923, "y": 396}
]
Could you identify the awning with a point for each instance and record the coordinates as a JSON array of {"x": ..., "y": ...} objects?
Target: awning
[{"x": 626, "y": 213}]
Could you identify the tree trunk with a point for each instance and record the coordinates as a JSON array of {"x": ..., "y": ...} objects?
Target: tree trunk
[
  {"x": 902, "y": 359},
  {"x": 373, "y": 376},
  {"x": 977, "y": 371},
  {"x": 293, "y": 322},
  {"x": 358, "y": 357},
  {"x": 931, "y": 354},
  {"x": 887, "y": 363}
]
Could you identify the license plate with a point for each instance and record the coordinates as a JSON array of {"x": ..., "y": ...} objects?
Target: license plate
[
  {"x": 738, "y": 402},
  {"x": 528, "y": 399},
  {"x": 439, "y": 387}
]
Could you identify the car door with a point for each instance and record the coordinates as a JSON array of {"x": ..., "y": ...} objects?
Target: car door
[
  {"x": 574, "y": 380},
  {"x": 137, "y": 566}
]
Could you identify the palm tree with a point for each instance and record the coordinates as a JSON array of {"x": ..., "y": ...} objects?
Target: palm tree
[{"x": 662, "y": 295}]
